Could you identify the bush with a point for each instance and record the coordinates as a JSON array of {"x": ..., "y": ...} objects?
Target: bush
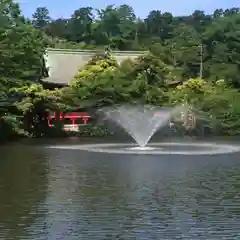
[{"x": 216, "y": 102}]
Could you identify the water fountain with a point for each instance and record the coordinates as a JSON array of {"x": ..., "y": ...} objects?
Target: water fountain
[{"x": 141, "y": 123}]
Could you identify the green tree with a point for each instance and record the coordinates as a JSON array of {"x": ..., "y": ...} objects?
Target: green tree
[
  {"x": 41, "y": 17},
  {"x": 80, "y": 25},
  {"x": 33, "y": 104}
]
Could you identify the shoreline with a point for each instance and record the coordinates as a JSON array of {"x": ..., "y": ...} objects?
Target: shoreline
[{"x": 113, "y": 139}]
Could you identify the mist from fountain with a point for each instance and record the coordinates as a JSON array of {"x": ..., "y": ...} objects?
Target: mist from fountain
[{"x": 142, "y": 122}]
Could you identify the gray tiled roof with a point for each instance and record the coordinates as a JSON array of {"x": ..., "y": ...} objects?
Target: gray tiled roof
[{"x": 63, "y": 64}]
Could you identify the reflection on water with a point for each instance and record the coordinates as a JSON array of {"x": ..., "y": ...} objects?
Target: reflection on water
[
  {"x": 59, "y": 194},
  {"x": 23, "y": 187}
]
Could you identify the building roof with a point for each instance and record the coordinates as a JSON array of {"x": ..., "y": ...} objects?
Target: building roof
[{"x": 63, "y": 64}]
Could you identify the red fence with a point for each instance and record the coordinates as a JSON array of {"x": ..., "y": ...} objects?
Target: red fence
[{"x": 73, "y": 116}]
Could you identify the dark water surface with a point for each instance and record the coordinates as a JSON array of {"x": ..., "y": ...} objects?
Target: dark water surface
[{"x": 66, "y": 194}]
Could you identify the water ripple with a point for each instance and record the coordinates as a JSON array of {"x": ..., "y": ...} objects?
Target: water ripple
[{"x": 59, "y": 194}]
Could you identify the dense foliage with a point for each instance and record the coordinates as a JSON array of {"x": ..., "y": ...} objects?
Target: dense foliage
[{"x": 202, "y": 48}]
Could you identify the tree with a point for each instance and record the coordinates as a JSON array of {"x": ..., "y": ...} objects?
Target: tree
[
  {"x": 58, "y": 29},
  {"x": 33, "y": 104},
  {"x": 159, "y": 25},
  {"x": 21, "y": 54},
  {"x": 116, "y": 25},
  {"x": 41, "y": 17},
  {"x": 80, "y": 25}
]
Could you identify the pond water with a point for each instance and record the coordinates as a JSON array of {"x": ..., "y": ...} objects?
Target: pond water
[{"x": 70, "y": 194}]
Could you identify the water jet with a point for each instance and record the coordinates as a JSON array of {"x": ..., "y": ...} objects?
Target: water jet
[{"x": 141, "y": 122}]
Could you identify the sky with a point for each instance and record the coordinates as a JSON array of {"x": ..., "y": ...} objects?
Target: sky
[{"x": 60, "y": 8}]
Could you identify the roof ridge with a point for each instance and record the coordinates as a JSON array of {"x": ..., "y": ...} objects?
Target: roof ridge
[{"x": 62, "y": 50}]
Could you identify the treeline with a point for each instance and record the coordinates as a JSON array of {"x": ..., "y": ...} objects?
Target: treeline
[{"x": 177, "y": 47}]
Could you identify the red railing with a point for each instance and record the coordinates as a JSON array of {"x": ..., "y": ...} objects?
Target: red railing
[{"x": 73, "y": 116}]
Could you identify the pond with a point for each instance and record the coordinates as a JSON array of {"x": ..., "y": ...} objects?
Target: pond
[{"x": 48, "y": 193}]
